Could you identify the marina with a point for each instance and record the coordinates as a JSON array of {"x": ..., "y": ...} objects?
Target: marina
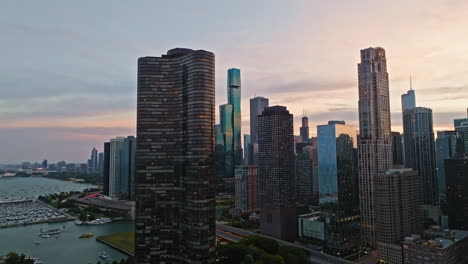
[{"x": 27, "y": 211}]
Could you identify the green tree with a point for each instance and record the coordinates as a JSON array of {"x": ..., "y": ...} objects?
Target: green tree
[{"x": 293, "y": 255}]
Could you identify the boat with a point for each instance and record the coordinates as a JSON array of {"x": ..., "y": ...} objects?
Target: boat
[
  {"x": 37, "y": 242},
  {"x": 45, "y": 236},
  {"x": 78, "y": 222},
  {"x": 50, "y": 232},
  {"x": 104, "y": 255},
  {"x": 57, "y": 236},
  {"x": 87, "y": 235}
]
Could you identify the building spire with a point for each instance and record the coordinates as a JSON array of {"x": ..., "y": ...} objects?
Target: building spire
[{"x": 410, "y": 83}]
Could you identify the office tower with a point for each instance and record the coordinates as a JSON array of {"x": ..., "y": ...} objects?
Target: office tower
[
  {"x": 304, "y": 130},
  {"x": 276, "y": 173},
  {"x": 94, "y": 161},
  {"x": 257, "y": 105},
  {"x": 304, "y": 171},
  {"x": 408, "y": 100},
  {"x": 89, "y": 166},
  {"x": 44, "y": 164},
  {"x": 397, "y": 147},
  {"x": 338, "y": 166},
  {"x": 225, "y": 116},
  {"x": 175, "y": 163},
  {"x": 246, "y": 149},
  {"x": 456, "y": 173},
  {"x": 420, "y": 149},
  {"x": 106, "y": 168},
  {"x": 127, "y": 169},
  {"x": 398, "y": 200},
  {"x": 246, "y": 187},
  {"x": 374, "y": 143},
  {"x": 101, "y": 163},
  {"x": 115, "y": 166},
  {"x": 446, "y": 147},
  {"x": 461, "y": 127},
  {"x": 234, "y": 97}
]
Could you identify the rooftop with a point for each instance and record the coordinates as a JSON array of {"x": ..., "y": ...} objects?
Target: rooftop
[{"x": 438, "y": 237}]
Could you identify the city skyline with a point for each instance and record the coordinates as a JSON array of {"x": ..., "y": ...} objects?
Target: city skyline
[{"x": 62, "y": 109}]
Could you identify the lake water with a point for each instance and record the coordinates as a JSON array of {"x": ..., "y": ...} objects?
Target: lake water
[
  {"x": 32, "y": 187},
  {"x": 68, "y": 248}
]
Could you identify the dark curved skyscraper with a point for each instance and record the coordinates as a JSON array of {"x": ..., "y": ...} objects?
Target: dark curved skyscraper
[{"x": 175, "y": 191}]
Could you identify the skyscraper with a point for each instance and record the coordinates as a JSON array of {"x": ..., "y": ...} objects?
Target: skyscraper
[
  {"x": 246, "y": 187},
  {"x": 304, "y": 130},
  {"x": 420, "y": 149},
  {"x": 304, "y": 171},
  {"x": 446, "y": 148},
  {"x": 175, "y": 163},
  {"x": 374, "y": 143},
  {"x": 105, "y": 174},
  {"x": 44, "y": 164},
  {"x": 101, "y": 163},
  {"x": 461, "y": 127},
  {"x": 276, "y": 178},
  {"x": 94, "y": 161},
  {"x": 115, "y": 166},
  {"x": 257, "y": 105},
  {"x": 225, "y": 116},
  {"x": 398, "y": 200},
  {"x": 408, "y": 100},
  {"x": 398, "y": 150},
  {"x": 246, "y": 149},
  {"x": 456, "y": 171},
  {"x": 127, "y": 169},
  {"x": 234, "y": 99},
  {"x": 338, "y": 166}
]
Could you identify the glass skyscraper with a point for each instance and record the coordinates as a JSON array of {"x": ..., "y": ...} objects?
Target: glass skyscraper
[
  {"x": 446, "y": 147},
  {"x": 175, "y": 165},
  {"x": 338, "y": 167},
  {"x": 461, "y": 127},
  {"x": 257, "y": 105},
  {"x": 234, "y": 99},
  {"x": 420, "y": 150},
  {"x": 227, "y": 131}
]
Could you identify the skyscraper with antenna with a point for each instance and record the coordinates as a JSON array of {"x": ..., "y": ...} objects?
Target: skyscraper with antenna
[{"x": 304, "y": 130}]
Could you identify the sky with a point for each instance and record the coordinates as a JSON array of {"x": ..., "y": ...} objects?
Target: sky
[{"x": 68, "y": 68}]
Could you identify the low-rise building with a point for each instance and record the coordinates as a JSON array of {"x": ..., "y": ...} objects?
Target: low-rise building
[{"x": 436, "y": 246}]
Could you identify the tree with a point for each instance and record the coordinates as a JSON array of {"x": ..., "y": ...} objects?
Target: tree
[
  {"x": 267, "y": 244},
  {"x": 293, "y": 255}
]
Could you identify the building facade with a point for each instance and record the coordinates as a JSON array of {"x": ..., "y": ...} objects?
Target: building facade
[
  {"x": 115, "y": 166},
  {"x": 461, "y": 127},
  {"x": 246, "y": 188},
  {"x": 456, "y": 173},
  {"x": 304, "y": 171},
  {"x": 257, "y": 105},
  {"x": 374, "y": 143},
  {"x": 246, "y": 149},
  {"x": 234, "y": 99},
  {"x": 175, "y": 163},
  {"x": 338, "y": 166},
  {"x": 398, "y": 150},
  {"x": 398, "y": 200},
  {"x": 420, "y": 150},
  {"x": 304, "y": 130},
  {"x": 446, "y": 148},
  {"x": 276, "y": 173},
  {"x": 106, "y": 169}
]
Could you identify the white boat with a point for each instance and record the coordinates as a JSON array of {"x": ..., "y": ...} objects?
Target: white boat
[
  {"x": 45, "y": 236},
  {"x": 104, "y": 255},
  {"x": 37, "y": 242}
]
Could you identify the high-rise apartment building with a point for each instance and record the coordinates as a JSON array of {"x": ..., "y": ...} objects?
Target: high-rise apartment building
[
  {"x": 304, "y": 130},
  {"x": 227, "y": 131},
  {"x": 257, "y": 105},
  {"x": 398, "y": 150},
  {"x": 420, "y": 150},
  {"x": 276, "y": 173},
  {"x": 106, "y": 169},
  {"x": 175, "y": 163},
  {"x": 398, "y": 200},
  {"x": 101, "y": 163},
  {"x": 94, "y": 161},
  {"x": 44, "y": 164},
  {"x": 246, "y": 187},
  {"x": 127, "y": 169},
  {"x": 374, "y": 142},
  {"x": 408, "y": 100},
  {"x": 304, "y": 171},
  {"x": 338, "y": 166},
  {"x": 456, "y": 173},
  {"x": 115, "y": 166}
]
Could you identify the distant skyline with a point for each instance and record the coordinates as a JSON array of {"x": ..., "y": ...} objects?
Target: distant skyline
[{"x": 68, "y": 69}]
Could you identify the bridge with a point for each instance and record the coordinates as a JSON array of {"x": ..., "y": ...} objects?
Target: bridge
[{"x": 234, "y": 234}]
